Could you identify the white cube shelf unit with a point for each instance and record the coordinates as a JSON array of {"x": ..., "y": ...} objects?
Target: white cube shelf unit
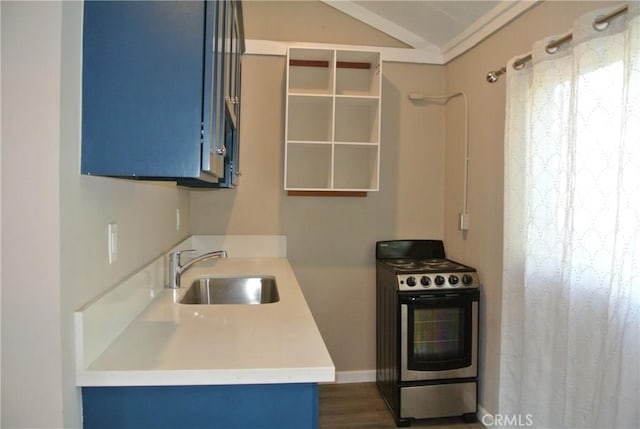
[{"x": 332, "y": 132}]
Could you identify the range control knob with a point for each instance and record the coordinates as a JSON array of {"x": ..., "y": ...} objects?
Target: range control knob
[
  {"x": 467, "y": 279},
  {"x": 411, "y": 281},
  {"x": 439, "y": 281},
  {"x": 424, "y": 281},
  {"x": 453, "y": 279}
]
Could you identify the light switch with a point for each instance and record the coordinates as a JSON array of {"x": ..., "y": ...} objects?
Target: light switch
[{"x": 112, "y": 240}]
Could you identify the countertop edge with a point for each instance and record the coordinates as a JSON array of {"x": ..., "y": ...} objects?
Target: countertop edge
[{"x": 200, "y": 377}]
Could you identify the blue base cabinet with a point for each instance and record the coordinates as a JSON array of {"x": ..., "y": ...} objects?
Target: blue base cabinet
[{"x": 276, "y": 406}]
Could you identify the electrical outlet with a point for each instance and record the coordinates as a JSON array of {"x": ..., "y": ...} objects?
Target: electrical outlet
[{"x": 112, "y": 242}]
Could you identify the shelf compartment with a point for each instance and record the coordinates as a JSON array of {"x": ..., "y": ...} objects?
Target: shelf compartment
[
  {"x": 359, "y": 74},
  {"x": 308, "y": 166},
  {"x": 310, "y": 71},
  {"x": 310, "y": 118},
  {"x": 356, "y": 167},
  {"x": 357, "y": 120}
]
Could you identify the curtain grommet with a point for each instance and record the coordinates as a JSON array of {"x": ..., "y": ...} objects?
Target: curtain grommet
[
  {"x": 551, "y": 48},
  {"x": 600, "y": 24}
]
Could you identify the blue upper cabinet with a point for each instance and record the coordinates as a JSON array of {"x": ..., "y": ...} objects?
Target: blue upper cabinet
[{"x": 155, "y": 97}]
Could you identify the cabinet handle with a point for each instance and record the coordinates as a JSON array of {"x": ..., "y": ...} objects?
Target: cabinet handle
[{"x": 222, "y": 151}]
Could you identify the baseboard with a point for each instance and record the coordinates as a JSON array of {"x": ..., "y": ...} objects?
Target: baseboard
[{"x": 356, "y": 376}]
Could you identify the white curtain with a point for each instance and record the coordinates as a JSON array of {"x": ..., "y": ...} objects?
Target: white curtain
[{"x": 570, "y": 352}]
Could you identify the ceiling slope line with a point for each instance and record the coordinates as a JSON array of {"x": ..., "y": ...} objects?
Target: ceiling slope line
[
  {"x": 484, "y": 26},
  {"x": 380, "y": 23}
]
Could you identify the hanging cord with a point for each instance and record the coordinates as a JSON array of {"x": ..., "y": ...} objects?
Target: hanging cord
[
  {"x": 463, "y": 221},
  {"x": 599, "y": 23}
]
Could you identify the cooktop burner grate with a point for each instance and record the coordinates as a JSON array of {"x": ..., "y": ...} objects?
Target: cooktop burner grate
[{"x": 425, "y": 265}]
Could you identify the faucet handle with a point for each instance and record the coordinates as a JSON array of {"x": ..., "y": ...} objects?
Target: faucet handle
[{"x": 176, "y": 254}]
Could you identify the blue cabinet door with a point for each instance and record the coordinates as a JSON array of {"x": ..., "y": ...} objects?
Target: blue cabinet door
[
  {"x": 258, "y": 406},
  {"x": 221, "y": 131},
  {"x": 143, "y": 75},
  {"x": 213, "y": 147}
]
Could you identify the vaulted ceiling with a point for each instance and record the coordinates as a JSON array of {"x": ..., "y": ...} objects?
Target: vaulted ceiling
[
  {"x": 421, "y": 31},
  {"x": 437, "y": 28}
]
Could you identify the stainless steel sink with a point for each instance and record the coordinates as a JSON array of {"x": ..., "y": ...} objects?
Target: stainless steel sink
[{"x": 232, "y": 290}]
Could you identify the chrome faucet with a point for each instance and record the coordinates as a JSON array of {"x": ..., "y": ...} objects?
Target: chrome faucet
[{"x": 176, "y": 270}]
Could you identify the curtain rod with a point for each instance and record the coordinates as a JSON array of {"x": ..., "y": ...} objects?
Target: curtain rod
[{"x": 493, "y": 76}]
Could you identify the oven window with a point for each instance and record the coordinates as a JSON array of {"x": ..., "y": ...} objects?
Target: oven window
[
  {"x": 437, "y": 333},
  {"x": 439, "y": 337}
]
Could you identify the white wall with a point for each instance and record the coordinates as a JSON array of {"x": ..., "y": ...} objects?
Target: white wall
[
  {"x": 54, "y": 220},
  {"x": 31, "y": 351}
]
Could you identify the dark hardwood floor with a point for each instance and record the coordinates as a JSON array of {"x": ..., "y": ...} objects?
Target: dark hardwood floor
[{"x": 359, "y": 406}]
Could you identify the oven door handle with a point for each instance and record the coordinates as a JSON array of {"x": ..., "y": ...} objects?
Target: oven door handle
[{"x": 429, "y": 298}]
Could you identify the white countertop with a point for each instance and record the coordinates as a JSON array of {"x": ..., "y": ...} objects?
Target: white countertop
[{"x": 175, "y": 344}]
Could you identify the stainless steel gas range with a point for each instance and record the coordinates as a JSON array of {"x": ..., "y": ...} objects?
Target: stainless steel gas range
[{"x": 427, "y": 331}]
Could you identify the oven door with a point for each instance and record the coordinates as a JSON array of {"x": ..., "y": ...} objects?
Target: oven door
[{"x": 439, "y": 335}]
